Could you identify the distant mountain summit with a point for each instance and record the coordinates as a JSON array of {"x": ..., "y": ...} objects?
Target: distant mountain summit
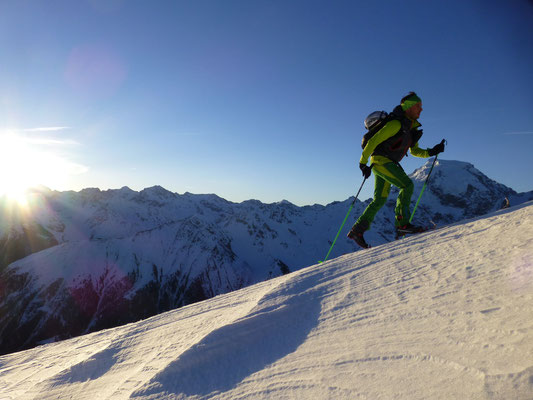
[
  {"x": 462, "y": 191},
  {"x": 88, "y": 260}
]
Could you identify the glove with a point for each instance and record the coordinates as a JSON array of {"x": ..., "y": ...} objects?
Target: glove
[
  {"x": 439, "y": 148},
  {"x": 367, "y": 171}
]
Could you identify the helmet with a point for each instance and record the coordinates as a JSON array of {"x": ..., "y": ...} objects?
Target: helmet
[{"x": 374, "y": 119}]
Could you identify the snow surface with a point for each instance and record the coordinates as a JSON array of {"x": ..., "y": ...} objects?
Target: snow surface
[{"x": 442, "y": 315}]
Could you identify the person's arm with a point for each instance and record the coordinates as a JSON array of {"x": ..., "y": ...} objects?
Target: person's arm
[{"x": 418, "y": 152}]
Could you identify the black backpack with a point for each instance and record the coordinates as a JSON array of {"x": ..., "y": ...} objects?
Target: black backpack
[{"x": 373, "y": 123}]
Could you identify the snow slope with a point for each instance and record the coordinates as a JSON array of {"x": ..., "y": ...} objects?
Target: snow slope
[{"x": 443, "y": 315}]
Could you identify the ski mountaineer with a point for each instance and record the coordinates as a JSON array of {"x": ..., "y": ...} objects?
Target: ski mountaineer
[{"x": 386, "y": 149}]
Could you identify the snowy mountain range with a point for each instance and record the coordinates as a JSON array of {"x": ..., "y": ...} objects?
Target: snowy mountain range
[
  {"x": 78, "y": 262},
  {"x": 441, "y": 315}
]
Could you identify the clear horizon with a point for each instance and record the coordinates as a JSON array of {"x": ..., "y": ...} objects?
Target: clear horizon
[{"x": 38, "y": 188}]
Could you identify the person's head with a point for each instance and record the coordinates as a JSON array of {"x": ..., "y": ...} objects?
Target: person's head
[{"x": 412, "y": 105}]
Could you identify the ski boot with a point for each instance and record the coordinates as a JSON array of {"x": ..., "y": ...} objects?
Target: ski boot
[{"x": 356, "y": 234}]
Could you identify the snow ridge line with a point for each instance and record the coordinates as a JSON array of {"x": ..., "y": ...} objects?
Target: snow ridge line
[
  {"x": 280, "y": 322},
  {"x": 114, "y": 353}
]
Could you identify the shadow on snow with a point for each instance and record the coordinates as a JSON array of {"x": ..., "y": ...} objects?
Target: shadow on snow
[{"x": 227, "y": 356}]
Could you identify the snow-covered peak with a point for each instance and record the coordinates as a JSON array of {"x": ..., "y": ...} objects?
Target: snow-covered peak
[
  {"x": 457, "y": 177},
  {"x": 459, "y": 190}
]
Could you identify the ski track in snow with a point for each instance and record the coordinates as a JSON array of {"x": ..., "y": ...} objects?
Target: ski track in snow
[{"x": 441, "y": 315}]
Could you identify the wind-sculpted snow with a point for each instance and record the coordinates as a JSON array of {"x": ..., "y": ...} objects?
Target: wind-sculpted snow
[
  {"x": 441, "y": 315},
  {"x": 281, "y": 322},
  {"x": 80, "y": 262}
]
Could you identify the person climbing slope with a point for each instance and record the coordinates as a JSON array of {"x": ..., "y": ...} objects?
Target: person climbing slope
[{"x": 386, "y": 148}]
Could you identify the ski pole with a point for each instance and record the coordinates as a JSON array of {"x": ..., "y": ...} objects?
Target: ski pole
[
  {"x": 425, "y": 184},
  {"x": 343, "y": 222}
]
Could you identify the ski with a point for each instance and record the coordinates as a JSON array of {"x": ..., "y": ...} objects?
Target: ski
[{"x": 400, "y": 234}]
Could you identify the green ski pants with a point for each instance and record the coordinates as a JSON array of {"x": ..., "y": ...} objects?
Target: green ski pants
[{"x": 386, "y": 175}]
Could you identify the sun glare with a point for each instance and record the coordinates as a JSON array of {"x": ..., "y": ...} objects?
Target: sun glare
[{"x": 24, "y": 165}]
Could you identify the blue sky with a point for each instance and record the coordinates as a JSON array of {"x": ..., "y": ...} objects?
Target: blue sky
[{"x": 254, "y": 98}]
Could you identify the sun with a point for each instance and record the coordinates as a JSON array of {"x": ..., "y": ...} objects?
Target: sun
[
  {"x": 24, "y": 165},
  {"x": 18, "y": 195},
  {"x": 16, "y": 163}
]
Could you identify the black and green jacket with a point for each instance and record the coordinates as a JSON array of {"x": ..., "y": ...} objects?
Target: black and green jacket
[{"x": 392, "y": 142}]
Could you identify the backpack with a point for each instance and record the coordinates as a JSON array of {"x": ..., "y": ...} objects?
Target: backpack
[{"x": 373, "y": 123}]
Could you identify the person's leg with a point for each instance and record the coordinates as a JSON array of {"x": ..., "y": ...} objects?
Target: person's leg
[
  {"x": 394, "y": 174},
  {"x": 381, "y": 192}
]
